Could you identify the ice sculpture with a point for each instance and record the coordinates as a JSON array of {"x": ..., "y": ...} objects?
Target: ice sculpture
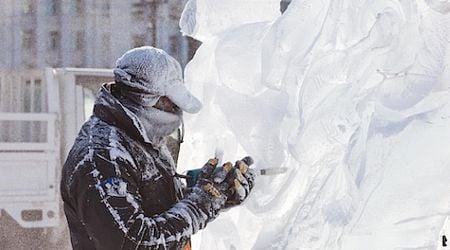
[{"x": 350, "y": 95}]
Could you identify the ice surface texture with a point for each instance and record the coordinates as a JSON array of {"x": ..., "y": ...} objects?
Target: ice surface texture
[{"x": 350, "y": 95}]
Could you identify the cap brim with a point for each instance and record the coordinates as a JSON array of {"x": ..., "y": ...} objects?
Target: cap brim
[{"x": 178, "y": 94}]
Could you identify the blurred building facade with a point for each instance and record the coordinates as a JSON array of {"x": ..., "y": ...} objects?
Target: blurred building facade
[{"x": 87, "y": 33}]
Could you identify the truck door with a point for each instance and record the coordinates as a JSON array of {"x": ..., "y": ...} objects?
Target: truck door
[{"x": 29, "y": 149}]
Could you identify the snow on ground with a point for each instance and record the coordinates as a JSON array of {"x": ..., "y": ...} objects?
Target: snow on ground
[{"x": 350, "y": 95}]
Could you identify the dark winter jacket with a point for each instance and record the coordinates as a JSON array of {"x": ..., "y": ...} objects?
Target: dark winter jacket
[{"x": 119, "y": 190}]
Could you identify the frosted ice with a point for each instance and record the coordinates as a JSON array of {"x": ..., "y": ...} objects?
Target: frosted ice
[
  {"x": 350, "y": 95},
  {"x": 203, "y": 19}
]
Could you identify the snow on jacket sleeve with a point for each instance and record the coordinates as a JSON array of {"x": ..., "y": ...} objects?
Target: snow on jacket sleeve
[{"x": 109, "y": 205}]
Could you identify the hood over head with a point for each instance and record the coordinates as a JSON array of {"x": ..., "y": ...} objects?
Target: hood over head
[{"x": 147, "y": 124}]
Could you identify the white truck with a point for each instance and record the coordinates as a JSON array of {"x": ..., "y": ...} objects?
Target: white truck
[{"x": 41, "y": 112}]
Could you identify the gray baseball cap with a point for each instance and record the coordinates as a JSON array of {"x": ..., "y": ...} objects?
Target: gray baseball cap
[{"x": 150, "y": 70}]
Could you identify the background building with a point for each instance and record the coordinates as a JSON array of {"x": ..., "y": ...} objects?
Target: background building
[{"x": 87, "y": 33}]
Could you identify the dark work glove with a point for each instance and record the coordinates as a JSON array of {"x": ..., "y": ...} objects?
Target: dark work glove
[
  {"x": 243, "y": 181},
  {"x": 212, "y": 188}
]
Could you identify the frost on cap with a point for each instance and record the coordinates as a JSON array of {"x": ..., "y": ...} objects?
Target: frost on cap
[{"x": 153, "y": 71}]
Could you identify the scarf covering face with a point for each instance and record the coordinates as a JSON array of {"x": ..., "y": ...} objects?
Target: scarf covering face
[{"x": 156, "y": 123}]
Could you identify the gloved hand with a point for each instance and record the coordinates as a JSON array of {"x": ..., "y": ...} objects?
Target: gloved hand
[
  {"x": 227, "y": 186},
  {"x": 213, "y": 187},
  {"x": 243, "y": 182}
]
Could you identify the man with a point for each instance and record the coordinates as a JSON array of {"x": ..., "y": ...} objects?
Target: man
[{"x": 119, "y": 184}]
